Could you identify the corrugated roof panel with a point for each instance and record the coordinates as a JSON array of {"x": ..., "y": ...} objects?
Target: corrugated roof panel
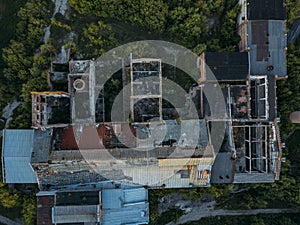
[
  {"x": 41, "y": 147},
  {"x": 135, "y": 195},
  {"x": 125, "y": 206},
  {"x": 112, "y": 198},
  {"x": 19, "y": 170},
  {"x": 76, "y": 214},
  {"x": 134, "y": 214},
  {"x": 18, "y": 143},
  {"x": 17, "y": 149}
]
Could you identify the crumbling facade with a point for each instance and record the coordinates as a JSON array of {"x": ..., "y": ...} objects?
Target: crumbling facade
[{"x": 50, "y": 109}]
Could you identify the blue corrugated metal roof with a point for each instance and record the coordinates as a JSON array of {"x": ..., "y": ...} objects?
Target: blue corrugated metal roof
[
  {"x": 125, "y": 206},
  {"x": 17, "y": 149},
  {"x": 112, "y": 198},
  {"x": 134, "y": 214},
  {"x": 135, "y": 195},
  {"x": 18, "y": 143}
]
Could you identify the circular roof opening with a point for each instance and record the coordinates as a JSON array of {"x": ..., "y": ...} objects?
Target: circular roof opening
[
  {"x": 79, "y": 85},
  {"x": 270, "y": 68}
]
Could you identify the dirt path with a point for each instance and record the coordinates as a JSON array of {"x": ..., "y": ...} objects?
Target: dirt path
[
  {"x": 8, "y": 221},
  {"x": 196, "y": 214},
  {"x": 7, "y": 112}
]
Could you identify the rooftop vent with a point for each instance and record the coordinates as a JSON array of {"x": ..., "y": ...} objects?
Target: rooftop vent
[
  {"x": 79, "y": 85},
  {"x": 270, "y": 68}
]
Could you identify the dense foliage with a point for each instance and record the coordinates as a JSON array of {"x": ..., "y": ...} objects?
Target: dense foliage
[
  {"x": 184, "y": 22},
  {"x": 288, "y": 90},
  {"x": 27, "y": 60}
]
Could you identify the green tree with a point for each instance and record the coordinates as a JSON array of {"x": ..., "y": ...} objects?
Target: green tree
[
  {"x": 293, "y": 7},
  {"x": 7, "y": 199},
  {"x": 216, "y": 6},
  {"x": 34, "y": 17},
  {"x": 148, "y": 13},
  {"x": 228, "y": 29},
  {"x": 17, "y": 61},
  {"x": 257, "y": 221},
  {"x": 187, "y": 26},
  {"x": 288, "y": 91},
  {"x": 199, "y": 49},
  {"x": 25, "y": 64},
  {"x": 97, "y": 38},
  {"x": 29, "y": 209}
]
